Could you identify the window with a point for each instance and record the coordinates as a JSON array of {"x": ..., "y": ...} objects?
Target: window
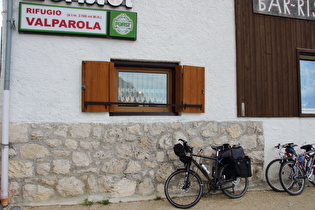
[
  {"x": 307, "y": 82},
  {"x": 141, "y": 88}
]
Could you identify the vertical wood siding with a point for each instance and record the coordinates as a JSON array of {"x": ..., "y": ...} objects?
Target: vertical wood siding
[{"x": 267, "y": 66}]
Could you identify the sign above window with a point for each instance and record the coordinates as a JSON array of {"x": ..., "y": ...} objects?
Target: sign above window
[
  {"x": 299, "y": 9},
  {"x": 38, "y": 18},
  {"x": 66, "y": 20}
]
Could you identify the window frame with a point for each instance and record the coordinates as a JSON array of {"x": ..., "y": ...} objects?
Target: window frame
[
  {"x": 303, "y": 54},
  {"x": 100, "y": 87},
  {"x": 115, "y": 109}
]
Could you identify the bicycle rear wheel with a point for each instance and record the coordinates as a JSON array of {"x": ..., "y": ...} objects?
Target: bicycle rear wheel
[
  {"x": 272, "y": 175},
  {"x": 233, "y": 187},
  {"x": 182, "y": 189},
  {"x": 292, "y": 178}
]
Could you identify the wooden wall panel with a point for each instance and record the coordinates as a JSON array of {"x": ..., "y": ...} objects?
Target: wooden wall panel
[{"x": 267, "y": 71}]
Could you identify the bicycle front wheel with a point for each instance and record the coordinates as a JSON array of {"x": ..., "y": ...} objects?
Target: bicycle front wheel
[
  {"x": 272, "y": 175},
  {"x": 233, "y": 187},
  {"x": 183, "y": 189},
  {"x": 292, "y": 178}
]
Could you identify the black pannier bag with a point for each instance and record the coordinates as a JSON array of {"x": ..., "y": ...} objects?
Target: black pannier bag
[
  {"x": 237, "y": 152},
  {"x": 236, "y": 159},
  {"x": 243, "y": 167},
  {"x": 225, "y": 153},
  {"x": 179, "y": 151}
]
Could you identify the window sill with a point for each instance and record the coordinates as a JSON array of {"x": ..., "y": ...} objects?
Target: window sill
[{"x": 144, "y": 114}]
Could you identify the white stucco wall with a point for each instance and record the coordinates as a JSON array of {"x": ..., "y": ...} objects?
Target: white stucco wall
[{"x": 46, "y": 69}]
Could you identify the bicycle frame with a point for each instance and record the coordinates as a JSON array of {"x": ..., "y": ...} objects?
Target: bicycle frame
[
  {"x": 303, "y": 166},
  {"x": 215, "y": 170}
]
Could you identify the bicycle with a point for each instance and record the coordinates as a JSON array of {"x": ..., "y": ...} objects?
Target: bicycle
[
  {"x": 184, "y": 187},
  {"x": 294, "y": 172},
  {"x": 286, "y": 152}
]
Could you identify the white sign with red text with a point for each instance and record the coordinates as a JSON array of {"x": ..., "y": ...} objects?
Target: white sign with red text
[{"x": 56, "y": 19}]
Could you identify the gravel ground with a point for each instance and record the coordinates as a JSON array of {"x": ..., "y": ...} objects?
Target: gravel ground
[{"x": 263, "y": 199}]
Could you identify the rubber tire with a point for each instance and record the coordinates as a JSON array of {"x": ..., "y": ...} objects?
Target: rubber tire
[
  {"x": 233, "y": 182},
  {"x": 272, "y": 175},
  {"x": 175, "y": 183},
  {"x": 288, "y": 182}
]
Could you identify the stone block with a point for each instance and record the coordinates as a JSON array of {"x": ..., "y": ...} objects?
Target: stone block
[
  {"x": 114, "y": 167},
  {"x": 29, "y": 151},
  {"x": 92, "y": 184},
  {"x": 18, "y": 133},
  {"x": 80, "y": 130},
  {"x": 70, "y": 186},
  {"x": 62, "y": 131},
  {"x": 146, "y": 187},
  {"x": 164, "y": 171},
  {"x": 43, "y": 169},
  {"x": 160, "y": 156},
  {"x": 36, "y": 193},
  {"x": 235, "y": 131},
  {"x": 124, "y": 151},
  {"x": 89, "y": 145},
  {"x": 133, "y": 167},
  {"x": 210, "y": 130},
  {"x": 165, "y": 141},
  {"x": 135, "y": 129},
  {"x": 61, "y": 166},
  {"x": 157, "y": 129},
  {"x": 146, "y": 143},
  {"x": 53, "y": 142},
  {"x": 37, "y": 135},
  {"x": 71, "y": 144},
  {"x": 20, "y": 169},
  {"x": 80, "y": 159},
  {"x": 124, "y": 188}
]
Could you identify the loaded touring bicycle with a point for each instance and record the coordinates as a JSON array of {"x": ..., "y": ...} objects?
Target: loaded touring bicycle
[{"x": 230, "y": 172}]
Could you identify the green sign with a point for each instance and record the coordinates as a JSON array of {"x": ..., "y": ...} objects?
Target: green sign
[
  {"x": 123, "y": 24},
  {"x": 40, "y": 18}
]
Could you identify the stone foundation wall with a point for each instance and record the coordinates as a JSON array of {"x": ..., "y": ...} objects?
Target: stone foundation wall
[{"x": 55, "y": 161}]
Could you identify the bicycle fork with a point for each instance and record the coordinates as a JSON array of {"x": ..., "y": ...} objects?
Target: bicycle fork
[{"x": 186, "y": 182}]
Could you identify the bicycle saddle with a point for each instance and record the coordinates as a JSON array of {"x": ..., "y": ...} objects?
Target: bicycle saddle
[
  {"x": 307, "y": 147},
  {"x": 221, "y": 147},
  {"x": 290, "y": 145}
]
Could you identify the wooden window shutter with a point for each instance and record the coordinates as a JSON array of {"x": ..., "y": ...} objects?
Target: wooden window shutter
[
  {"x": 95, "y": 86},
  {"x": 190, "y": 88}
]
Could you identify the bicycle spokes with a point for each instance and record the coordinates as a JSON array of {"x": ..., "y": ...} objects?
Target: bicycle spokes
[{"x": 292, "y": 178}]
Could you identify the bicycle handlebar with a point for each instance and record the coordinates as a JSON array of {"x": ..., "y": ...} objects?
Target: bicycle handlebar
[
  {"x": 184, "y": 142},
  {"x": 187, "y": 148},
  {"x": 278, "y": 146}
]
